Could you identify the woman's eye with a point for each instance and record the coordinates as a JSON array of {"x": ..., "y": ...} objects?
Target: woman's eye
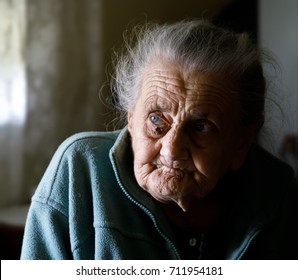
[
  {"x": 156, "y": 120},
  {"x": 202, "y": 127},
  {"x": 159, "y": 125}
]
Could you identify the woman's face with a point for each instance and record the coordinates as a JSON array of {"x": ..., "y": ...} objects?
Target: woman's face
[{"x": 185, "y": 133}]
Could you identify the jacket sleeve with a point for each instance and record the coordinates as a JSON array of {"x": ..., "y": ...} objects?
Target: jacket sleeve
[
  {"x": 60, "y": 222},
  {"x": 61, "y": 208},
  {"x": 45, "y": 234},
  {"x": 47, "y": 227}
]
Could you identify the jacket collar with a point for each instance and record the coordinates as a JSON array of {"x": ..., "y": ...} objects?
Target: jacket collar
[{"x": 121, "y": 156}]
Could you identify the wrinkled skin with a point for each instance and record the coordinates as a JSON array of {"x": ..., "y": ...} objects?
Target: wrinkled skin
[{"x": 186, "y": 134}]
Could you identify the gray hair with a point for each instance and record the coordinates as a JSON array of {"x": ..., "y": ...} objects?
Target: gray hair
[{"x": 199, "y": 46}]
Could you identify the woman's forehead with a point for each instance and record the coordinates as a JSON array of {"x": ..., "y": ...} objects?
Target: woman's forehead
[{"x": 176, "y": 84}]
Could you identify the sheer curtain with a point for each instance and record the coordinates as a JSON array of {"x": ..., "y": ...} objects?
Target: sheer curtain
[
  {"x": 12, "y": 99},
  {"x": 49, "y": 85}
]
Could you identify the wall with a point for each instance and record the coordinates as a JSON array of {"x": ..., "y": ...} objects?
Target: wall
[
  {"x": 120, "y": 15},
  {"x": 278, "y": 21}
]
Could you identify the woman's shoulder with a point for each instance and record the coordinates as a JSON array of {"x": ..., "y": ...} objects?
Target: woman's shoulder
[
  {"x": 269, "y": 166},
  {"x": 88, "y": 139},
  {"x": 267, "y": 176},
  {"x": 84, "y": 145},
  {"x": 75, "y": 165}
]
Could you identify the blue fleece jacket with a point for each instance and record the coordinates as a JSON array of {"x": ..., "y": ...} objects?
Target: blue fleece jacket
[{"x": 89, "y": 206}]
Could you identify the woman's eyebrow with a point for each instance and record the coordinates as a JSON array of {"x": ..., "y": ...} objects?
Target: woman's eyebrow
[{"x": 157, "y": 104}]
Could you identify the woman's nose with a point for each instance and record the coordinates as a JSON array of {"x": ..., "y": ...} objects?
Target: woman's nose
[{"x": 174, "y": 146}]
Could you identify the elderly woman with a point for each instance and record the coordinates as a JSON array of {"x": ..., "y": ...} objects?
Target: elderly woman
[{"x": 183, "y": 179}]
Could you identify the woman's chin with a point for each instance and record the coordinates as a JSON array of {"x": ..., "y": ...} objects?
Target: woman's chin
[
  {"x": 182, "y": 199},
  {"x": 174, "y": 187}
]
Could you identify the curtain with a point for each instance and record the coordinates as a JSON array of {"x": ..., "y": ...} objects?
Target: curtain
[
  {"x": 61, "y": 60},
  {"x": 12, "y": 99}
]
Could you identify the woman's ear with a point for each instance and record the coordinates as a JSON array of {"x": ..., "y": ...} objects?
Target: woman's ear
[{"x": 246, "y": 140}]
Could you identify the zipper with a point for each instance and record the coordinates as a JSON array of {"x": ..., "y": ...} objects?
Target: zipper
[
  {"x": 146, "y": 210},
  {"x": 248, "y": 243}
]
